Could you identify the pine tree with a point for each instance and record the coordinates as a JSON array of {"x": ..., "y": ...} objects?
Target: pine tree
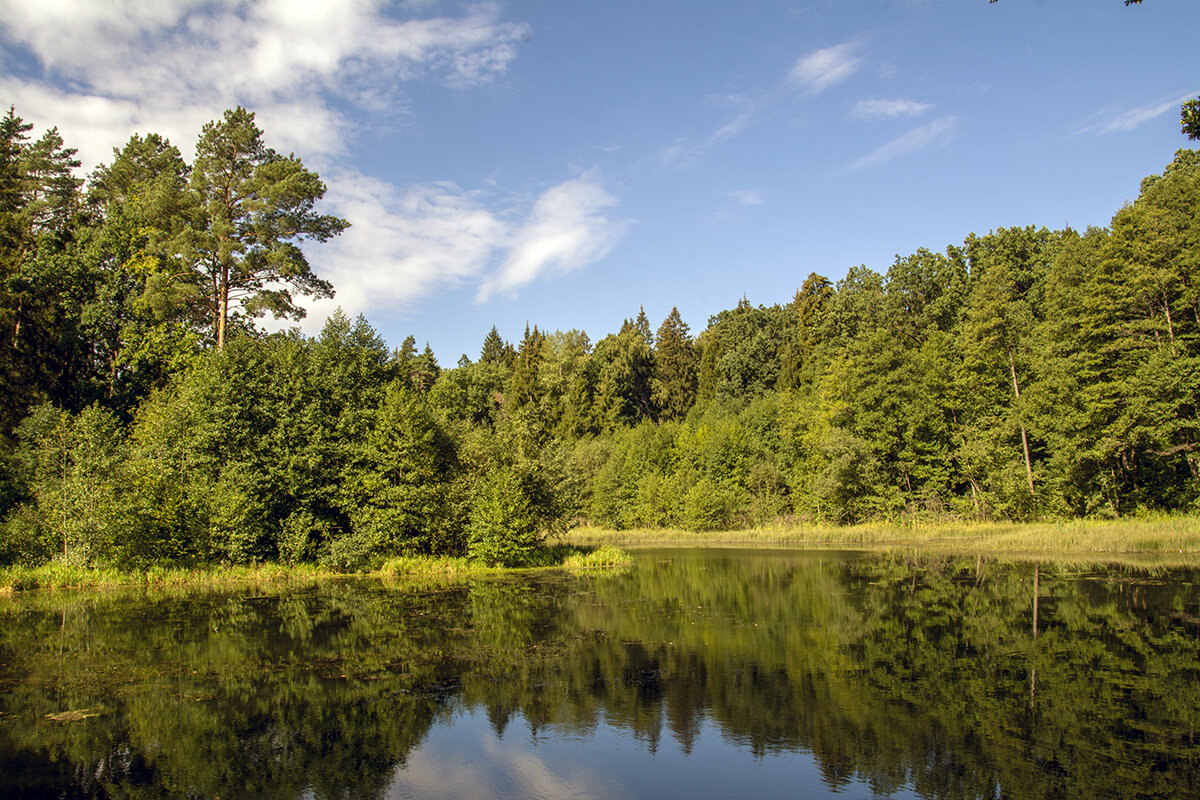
[
  {"x": 801, "y": 338},
  {"x": 425, "y": 370},
  {"x": 254, "y": 208}
]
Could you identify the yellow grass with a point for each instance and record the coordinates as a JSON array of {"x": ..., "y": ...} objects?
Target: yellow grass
[
  {"x": 1171, "y": 539},
  {"x": 57, "y": 575}
]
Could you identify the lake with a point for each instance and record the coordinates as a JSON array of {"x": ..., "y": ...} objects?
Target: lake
[{"x": 694, "y": 673}]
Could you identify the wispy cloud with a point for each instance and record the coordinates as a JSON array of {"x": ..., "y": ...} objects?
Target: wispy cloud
[
  {"x": 811, "y": 74},
  {"x": 821, "y": 69},
  {"x": 936, "y": 132},
  {"x": 1113, "y": 121},
  {"x": 404, "y": 242},
  {"x": 874, "y": 108},
  {"x": 567, "y": 228},
  {"x": 746, "y": 197}
]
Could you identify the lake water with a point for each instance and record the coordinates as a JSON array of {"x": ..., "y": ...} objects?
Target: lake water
[{"x": 696, "y": 673}]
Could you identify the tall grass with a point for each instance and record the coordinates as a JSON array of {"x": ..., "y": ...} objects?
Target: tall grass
[
  {"x": 57, "y": 575},
  {"x": 604, "y": 556},
  {"x": 1155, "y": 536}
]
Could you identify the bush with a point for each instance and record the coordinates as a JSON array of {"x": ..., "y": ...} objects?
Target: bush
[
  {"x": 708, "y": 506},
  {"x": 504, "y": 528}
]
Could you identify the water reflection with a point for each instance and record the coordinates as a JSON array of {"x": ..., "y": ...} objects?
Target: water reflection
[{"x": 693, "y": 674}]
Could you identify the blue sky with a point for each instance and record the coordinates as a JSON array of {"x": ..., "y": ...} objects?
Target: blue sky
[{"x": 565, "y": 163}]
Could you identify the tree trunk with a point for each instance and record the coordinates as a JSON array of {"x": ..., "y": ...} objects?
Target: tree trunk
[
  {"x": 222, "y": 307},
  {"x": 1012, "y": 362}
]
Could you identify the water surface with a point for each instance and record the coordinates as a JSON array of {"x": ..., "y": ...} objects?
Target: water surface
[{"x": 709, "y": 673}]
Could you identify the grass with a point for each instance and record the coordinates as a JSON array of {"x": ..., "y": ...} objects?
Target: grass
[
  {"x": 432, "y": 567},
  {"x": 57, "y": 575},
  {"x": 1175, "y": 539},
  {"x": 603, "y": 557}
]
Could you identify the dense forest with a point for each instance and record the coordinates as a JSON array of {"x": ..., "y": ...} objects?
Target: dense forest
[{"x": 1023, "y": 373}]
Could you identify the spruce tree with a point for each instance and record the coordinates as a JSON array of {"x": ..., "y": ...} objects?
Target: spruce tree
[
  {"x": 495, "y": 350},
  {"x": 675, "y": 364},
  {"x": 525, "y": 387}
]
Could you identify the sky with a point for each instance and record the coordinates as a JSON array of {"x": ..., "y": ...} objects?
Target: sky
[{"x": 565, "y": 163}]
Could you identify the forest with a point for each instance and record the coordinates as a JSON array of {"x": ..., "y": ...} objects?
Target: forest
[{"x": 1023, "y": 373}]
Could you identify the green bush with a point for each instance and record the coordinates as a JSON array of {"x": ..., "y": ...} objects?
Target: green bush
[{"x": 504, "y": 529}]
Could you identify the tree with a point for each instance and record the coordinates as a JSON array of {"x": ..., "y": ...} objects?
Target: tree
[
  {"x": 425, "y": 370},
  {"x": 674, "y": 383},
  {"x": 135, "y": 322},
  {"x": 1189, "y": 118},
  {"x": 1006, "y": 266},
  {"x": 41, "y": 287},
  {"x": 625, "y": 367},
  {"x": 797, "y": 351},
  {"x": 495, "y": 350},
  {"x": 525, "y": 388},
  {"x": 254, "y": 208}
]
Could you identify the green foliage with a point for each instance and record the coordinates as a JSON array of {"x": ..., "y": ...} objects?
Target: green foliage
[
  {"x": 252, "y": 207},
  {"x": 1189, "y": 118},
  {"x": 1025, "y": 373},
  {"x": 72, "y": 469},
  {"x": 504, "y": 529},
  {"x": 675, "y": 363}
]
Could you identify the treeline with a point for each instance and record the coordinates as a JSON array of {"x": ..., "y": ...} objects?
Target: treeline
[{"x": 1026, "y": 372}]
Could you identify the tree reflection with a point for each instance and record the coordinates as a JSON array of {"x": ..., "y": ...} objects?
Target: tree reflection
[{"x": 961, "y": 679}]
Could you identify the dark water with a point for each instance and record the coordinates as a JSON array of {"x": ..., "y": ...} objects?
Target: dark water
[{"x": 694, "y": 674}]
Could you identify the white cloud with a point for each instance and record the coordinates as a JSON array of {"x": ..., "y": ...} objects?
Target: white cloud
[
  {"x": 873, "y": 108},
  {"x": 475, "y": 765},
  {"x": 405, "y": 243},
  {"x": 935, "y": 132},
  {"x": 102, "y": 71},
  {"x": 112, "y": 68},
  {"x": 821, "y": 69},
  {"x": 811, "y": 74},
  {"x": 566, "y": 229},
  {"x": 1128, "y": 120}
]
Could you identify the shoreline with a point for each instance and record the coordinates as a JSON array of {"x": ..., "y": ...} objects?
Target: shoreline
[
  {"x": 1153, "y": 542},
  {"x": 14, "y": 579},
  {"x": 1167, "y": 541}
]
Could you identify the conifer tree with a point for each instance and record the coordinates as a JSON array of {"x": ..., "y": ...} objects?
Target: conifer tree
[
  {"x": 675, "y": 363},
  {"x": 525, "y": 387},
  {"x": 254, "y": 208},
  {"x": 425, "y": 370},
  {"x": 495, "y": 350}
]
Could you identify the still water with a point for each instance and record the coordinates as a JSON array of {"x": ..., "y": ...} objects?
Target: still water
[{"x": 714, "y": 673}]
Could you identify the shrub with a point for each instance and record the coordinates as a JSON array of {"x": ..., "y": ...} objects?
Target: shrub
[{"x": 504, "y": 528}]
